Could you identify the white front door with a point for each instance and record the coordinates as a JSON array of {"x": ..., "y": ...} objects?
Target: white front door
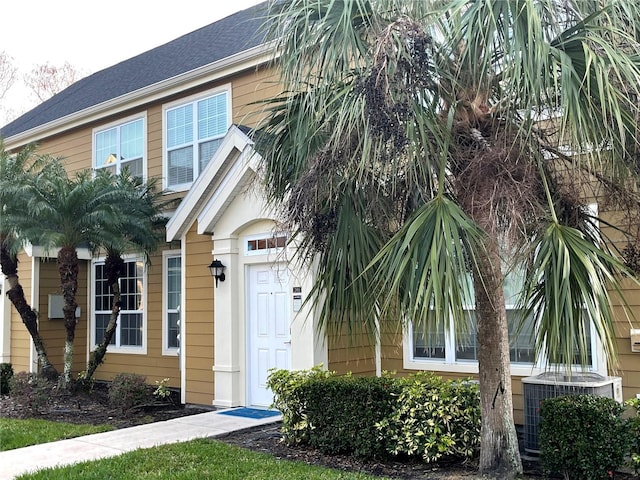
[{"x": 269, "y": 338}]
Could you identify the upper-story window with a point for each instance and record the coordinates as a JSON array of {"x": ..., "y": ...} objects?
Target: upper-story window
[
  {"x": 121, "y": 146},
  {"x": 193, "y": 132}
]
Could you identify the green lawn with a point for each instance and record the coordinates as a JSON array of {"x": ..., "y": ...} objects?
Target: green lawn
[
  {"x": 22, "y": 433},
  {"x": 194, "y": 460}
]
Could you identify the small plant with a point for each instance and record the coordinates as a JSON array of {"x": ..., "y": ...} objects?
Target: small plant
[
  {"x": 634, "y": 430},
  {"x": 582, "y": 437},
  {"x": 162, "y": 389},
  {"x": 6, "y": 372},
  {"x": 434, "y": 418},
  {"x": 129, "y": 390},
  {"x": 31, "y": 391},
  {"x": 285, "y": 386},
  {"x": 82, "y": 384}
]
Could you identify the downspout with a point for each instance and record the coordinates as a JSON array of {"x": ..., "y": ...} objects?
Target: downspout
[
  {"x": 182, "y": 357},
  {"x": 35, "y": 286}
]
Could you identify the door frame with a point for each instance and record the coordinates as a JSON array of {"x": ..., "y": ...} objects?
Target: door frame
[{"x": 249, "y": 338}]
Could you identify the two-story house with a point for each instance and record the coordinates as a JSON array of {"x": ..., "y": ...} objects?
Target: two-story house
[{"x": 183, "y": 112}]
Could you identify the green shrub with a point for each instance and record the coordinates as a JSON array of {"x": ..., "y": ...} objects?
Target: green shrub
[
  {"x": 6, "y": 372},
  {"x": 31, "y": 391},
  {"x": 634, "y": 430},
  {"x": 342, "y": 413},
  {"x": 129, "y": 390},
  {"x": 286, "y": 398},
  {"x": 434, "y": 418},
  {"x": 421, "y": 415},
  {"x": 582, "y": 436}
]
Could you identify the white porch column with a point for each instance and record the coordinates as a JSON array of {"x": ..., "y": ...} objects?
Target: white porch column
[{"x": 227, "y": 368}]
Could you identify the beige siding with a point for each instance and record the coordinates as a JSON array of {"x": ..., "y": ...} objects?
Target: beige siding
[
  {"x": 249, "y": 88},
  {"x": 53, "y": 331},
  {"x": 153, "y": 365},
  {"x": 20, "y": 338},
  {"x": 198, "y": 319},
  {"x": 351, "y": 354}
]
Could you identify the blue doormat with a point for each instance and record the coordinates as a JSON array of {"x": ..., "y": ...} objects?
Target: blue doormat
[{"x": 250, "y": 412}]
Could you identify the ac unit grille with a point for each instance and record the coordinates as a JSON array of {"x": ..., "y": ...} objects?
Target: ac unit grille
[{"x": 547, "y": 385}]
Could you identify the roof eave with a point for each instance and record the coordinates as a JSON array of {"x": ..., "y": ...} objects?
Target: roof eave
[{"x": 244, "y": 60}]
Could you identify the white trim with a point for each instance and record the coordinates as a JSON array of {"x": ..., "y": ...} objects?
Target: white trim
[
  {"x": 193, "y": 100},
  {"x": 129, "y": 350},
  {"x": 171, "y": 351},
  {"x": 250, "y": 336},
  {"x": 253, "y": 57},
  {"x": 239, "y": 175},
  {"x": 117, "y": 124},
  {"x": 276, "y": 251},
  {"x": 5, "y": 321},
  {"x": 182, "y": 353},
  {"x": 206, "y": 185},
  {"x": 35, "y": 293},
  {"x": 42, "y": 252}
]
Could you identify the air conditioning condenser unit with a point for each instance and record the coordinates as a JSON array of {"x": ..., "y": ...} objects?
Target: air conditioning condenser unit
[{"x": 557, "y": 384}]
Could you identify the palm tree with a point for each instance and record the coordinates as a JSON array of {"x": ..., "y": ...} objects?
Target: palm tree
[
  {"x": 66, "y": 214},
  {"x": 425, "y": 149},
  {"x": 140, "y": 229},
  {"x": 15, "y": 171}
]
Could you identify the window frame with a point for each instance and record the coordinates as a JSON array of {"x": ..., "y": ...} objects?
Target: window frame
[
  {"x": 191, "y": 100},
  {"x": 166, "y": 255},
  {"x": 115, "y": 348},
  {"x": 450, "y": 364},
  {"x": 266, "y": 237},
  {"x": 118, "y": 124}
]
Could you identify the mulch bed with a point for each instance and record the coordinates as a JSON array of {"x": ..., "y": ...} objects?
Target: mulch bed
[{"x": 93, "y": 408}]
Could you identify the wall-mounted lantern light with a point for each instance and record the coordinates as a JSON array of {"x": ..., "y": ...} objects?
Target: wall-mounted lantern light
[{"x": 217, "y": 271}]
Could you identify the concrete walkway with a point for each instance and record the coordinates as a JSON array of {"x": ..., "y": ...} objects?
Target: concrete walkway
[{"x": 109, "y": 444}]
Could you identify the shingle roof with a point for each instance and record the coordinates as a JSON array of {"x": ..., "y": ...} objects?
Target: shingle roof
[{"x": 231, "y": 35}]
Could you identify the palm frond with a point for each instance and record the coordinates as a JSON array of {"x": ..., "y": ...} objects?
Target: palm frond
[
  {"x": 566, "y": 290},
  {"x": 427, "y": 266},
  {"x": 343, "y": 290}
]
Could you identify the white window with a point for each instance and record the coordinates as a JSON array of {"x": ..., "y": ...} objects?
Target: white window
[
  {"x": 458, "y": 351},
  {"x": 193, "y": 132},
  {"x": 130, "y": 332},
  {"x": 121, "y": 146},
  {"x": 262, "y": 244},
  {"x": 172, "y": 301}
]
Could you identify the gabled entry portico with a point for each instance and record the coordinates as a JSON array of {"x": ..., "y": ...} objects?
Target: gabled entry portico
[{"x": 257, "y": 315}]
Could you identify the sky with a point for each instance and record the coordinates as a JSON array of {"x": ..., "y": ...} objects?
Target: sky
[{"x": 92, "y": 36}]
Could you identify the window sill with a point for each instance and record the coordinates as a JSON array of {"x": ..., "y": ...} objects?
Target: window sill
[
  {"x": 124, "y": 350},
  {"x": 469, "y": 368}
]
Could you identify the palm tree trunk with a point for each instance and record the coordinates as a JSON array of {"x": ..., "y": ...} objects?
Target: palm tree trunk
[
  {"x": 9, "y": 266},
  {"x": 115, "y": 269},
  {"x": 68, "y": 269},
  {"x": 499, "y": 452},
  {"x": 97, "y": 356}
]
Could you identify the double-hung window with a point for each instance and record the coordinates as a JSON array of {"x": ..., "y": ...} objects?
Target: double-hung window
[
  {"x": 172, "y": 300},
  {"x": 449, "y": 350},
  {"x": 130, "y": 333},
  {"x": 120, "y": 146},
  {"x": 193, "y": 131}
]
